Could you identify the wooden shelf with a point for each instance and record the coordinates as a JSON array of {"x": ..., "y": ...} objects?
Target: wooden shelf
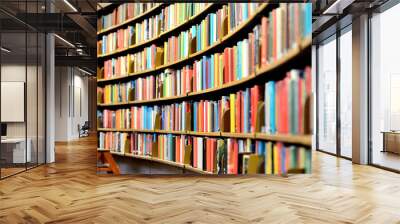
[
  {"x": 290, "y": 139},
  {"x": 196, "y": 170},
  {"x": 102, "y": 150},
  {"x": 167, "y": 162},
  {"x": 162, "y": 35},
  {"x": 132, "y": 20},
  {"x": 204, "y": 134},
  {"x": 238, "y": 135},
  {"x": 224, "y": 40},
  {"x": 117, "y": 153},
  {"x": 289, "y": 56},
  {"x": 154, "y": 159},
  {"x": 285, "y": 138}
]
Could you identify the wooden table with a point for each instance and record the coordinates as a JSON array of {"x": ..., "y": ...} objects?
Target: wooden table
[{"x": 391, "y": 141}]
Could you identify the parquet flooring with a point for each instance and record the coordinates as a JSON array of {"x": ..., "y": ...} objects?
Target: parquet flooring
[{"x": 69, "y": 191}]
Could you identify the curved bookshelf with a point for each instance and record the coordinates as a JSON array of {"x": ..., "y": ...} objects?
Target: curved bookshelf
[
  {"x": 134, "y": 19},
  {"x": 288, "y": 57},
  {"x": 163, "y": 34},
  {"x": 167, "y": 162},
  {"x": 219, "y": 43},
  {"x": 155, "y": 159},
  {"x": 304, "y": 140}
]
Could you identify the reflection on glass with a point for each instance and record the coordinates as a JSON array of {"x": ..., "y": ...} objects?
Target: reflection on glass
[
  {"x": 385, "y": 84},
  {"x": 15, "y": 149},
  {"x": 346, "y": 93},
  {"x": 327, "y": 96}
]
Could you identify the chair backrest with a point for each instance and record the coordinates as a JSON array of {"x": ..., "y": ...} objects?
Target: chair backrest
[{"x": 86, "y": 125}]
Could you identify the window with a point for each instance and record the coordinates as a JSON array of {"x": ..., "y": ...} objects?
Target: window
[
  {"x": 346, "y": 92},
  {"x": 385, "y": 88},
  {"x": 327, "y": 95}
]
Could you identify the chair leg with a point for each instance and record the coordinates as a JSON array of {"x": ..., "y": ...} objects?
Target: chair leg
[{"x": 113, "y": 165}]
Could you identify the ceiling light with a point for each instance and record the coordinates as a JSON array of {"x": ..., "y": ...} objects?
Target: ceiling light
[
  {"x": 5, "y": 50},
  {"x": 70, "y": 5},
  {"x": 64, "y": 40}
]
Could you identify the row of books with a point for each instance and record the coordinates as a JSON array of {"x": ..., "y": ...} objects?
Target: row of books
[
  {"x": 122, "y": 13},
  {"x": 288, "y": 103},
  {"x": 214, "y": 155},
  {"x": 211, "y": 29},
  {"x": 283, "y": 28},
  {"x": 149, "y": 58},
  {"x": 115, "y": 93},
  {"x": 235, "y": 63},
  {"x": 114, "y": 141},
  {"x": 286, "y": 109},
  {"x": 141, "y": 118},
  {"x": 148, "y": 28}
]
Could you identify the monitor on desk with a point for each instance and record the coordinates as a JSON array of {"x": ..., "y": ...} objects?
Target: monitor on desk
[{"x": 3, "y": 130}]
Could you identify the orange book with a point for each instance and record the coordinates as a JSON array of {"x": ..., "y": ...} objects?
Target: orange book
[
  {"x": 235, "y": 156},
  {"x": 208, "y": 155}
]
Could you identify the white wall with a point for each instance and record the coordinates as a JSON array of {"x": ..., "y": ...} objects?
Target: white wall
[{"x": 71, "y": 102}]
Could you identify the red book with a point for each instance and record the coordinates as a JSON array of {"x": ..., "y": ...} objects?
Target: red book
[
  {"x": 255, "y": 95},
  {"x": 132, "y": 118},
  {"x": 264, "y": 41},
  {"x": 195, "y": 152},
  {"x": 300, "y": 102},
  {"x": 177, "y": 149},
  {"x": 235, "y": 156},
  {"x": 208, "y": 155}
]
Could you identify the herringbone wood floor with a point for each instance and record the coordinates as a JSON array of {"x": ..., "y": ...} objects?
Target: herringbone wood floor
[{"x": 69, "y": 191}]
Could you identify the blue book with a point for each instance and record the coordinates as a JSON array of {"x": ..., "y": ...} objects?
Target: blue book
[
  {"x": 212, "y": 75},
  {"x": 204, "y": 84},
  {"x": 272, "y": 107},
  {"x": 210, "y": 71},
  {"x": 245, "y": 10},
  {"x": 195, "y": 112},
  {"x": 104, "y": 48},
  {"x": 307, "y": 19}
]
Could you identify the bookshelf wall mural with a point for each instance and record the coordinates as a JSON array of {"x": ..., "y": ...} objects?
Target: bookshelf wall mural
[{"x": 205, "y": 88}]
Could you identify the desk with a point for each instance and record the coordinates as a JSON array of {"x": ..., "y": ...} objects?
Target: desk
[
  {"x": 391, "y": 141},
  {"x": 13, "y": 150}
]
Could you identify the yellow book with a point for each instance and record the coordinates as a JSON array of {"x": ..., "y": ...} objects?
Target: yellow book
[
  {"x": 268, "y": 158},
  {"x": 255, "y": 164},
  {"x": 276, "y": 159},
  {"x": 232, "y": 110}
]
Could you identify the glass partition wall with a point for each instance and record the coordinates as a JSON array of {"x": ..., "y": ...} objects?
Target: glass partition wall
[
  {"x": 22, "y": 88},
  {"x": 385, "y": 88},
  {"x": 334, "y": 94}
]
